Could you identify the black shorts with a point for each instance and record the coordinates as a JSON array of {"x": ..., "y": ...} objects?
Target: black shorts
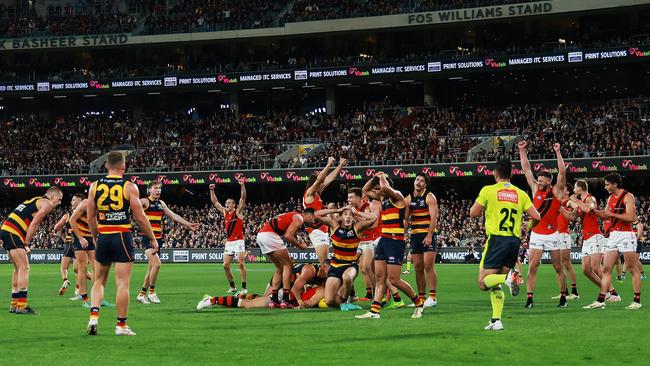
[
  {"x": 11, "y": 241},
  {"x": 68, "y": 250},
  {"x": 638, "y": 247},
  {"x": 77, "y": 244},
  {"x": 146, "y": 243},
  {"x": 114, "y": 248},
  {"x": 337, "y": 272},
  {"x": 500, "y": 251},
  {"x": 390, "y": 250},
  {"x": 417, "y": 244}
]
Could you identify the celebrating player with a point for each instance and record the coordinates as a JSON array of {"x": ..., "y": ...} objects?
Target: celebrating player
[
  {"x": 369, "y": 238},
  {"x": 503, "y": 204},
  {"x": 422, "y": 214},
  {"x": 111, "y": 200},
  {"x": 565, "y": 244},
  {"x": 233, "y": 215},
  {"x": 312, "y": 199},
  {"x": 391, "y": 247},
  {"x": 345, "y": 236},
  {"x": 593, "y": 242},
  {"x": 271, "y": 240},
  {"x": 544, "y": 236},
  {"x": 16, "y": 233},
  {"x": 155, "y": 209},
  {"x": 619, "y": 214}
]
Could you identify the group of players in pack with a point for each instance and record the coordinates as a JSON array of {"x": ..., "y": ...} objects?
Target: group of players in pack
[
  {"x": 550, "y": 211},
  {"x": 367, "y": 235}
]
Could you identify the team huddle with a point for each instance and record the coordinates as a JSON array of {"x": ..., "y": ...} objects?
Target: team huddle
[{"x": 368, "y": 235}]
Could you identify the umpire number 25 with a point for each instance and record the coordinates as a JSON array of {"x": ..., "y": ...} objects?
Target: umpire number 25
[{"x": 508, "y": 217}]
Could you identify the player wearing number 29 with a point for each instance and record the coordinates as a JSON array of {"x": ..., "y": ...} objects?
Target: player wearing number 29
[
  {"x": 504, "y": 205},
  {"x": 110, "y": 203}
]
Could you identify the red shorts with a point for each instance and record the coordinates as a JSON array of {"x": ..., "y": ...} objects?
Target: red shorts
[{"x": 309, "y": 293}]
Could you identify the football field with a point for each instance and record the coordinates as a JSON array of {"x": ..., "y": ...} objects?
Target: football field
[{"x": 174, "y": 333}]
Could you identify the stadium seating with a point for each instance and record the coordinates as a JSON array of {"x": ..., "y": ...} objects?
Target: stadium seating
[{"x": 382, "y": 134}]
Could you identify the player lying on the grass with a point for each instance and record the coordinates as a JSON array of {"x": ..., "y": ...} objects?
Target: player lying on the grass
[
  {"x": 346, "y": 225},
  {"x": 307, "y": 288}
]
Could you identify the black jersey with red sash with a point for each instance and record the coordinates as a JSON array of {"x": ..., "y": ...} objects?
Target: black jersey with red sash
[{"x": 616, "y": 204}]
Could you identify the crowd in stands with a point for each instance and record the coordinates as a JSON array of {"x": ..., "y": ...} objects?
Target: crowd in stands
[
  {"x": 102, "y": 18},
  {"x": 189, "y": 16},
  {"x": 308, "y": 10},
  {"x": 455, "y": 228},
  {"x": 378, "y": 134}
]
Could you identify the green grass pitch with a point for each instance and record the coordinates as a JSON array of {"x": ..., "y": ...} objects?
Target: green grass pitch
[{"x": 174, "y": 333}]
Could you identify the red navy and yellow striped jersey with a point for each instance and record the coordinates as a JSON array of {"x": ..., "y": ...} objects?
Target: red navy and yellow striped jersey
[
  {"x": 345, "y": 243},
  {"x": 18, "y": 221},
  {"x": 392, "y": 220},
  {"x": 420, "y": 218},
  {"x": 68, "y": 230},
  {"x": 113, "y": 210},
  {"x": 83, "y": 226},
  {"x": 155, "y": 214}
]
